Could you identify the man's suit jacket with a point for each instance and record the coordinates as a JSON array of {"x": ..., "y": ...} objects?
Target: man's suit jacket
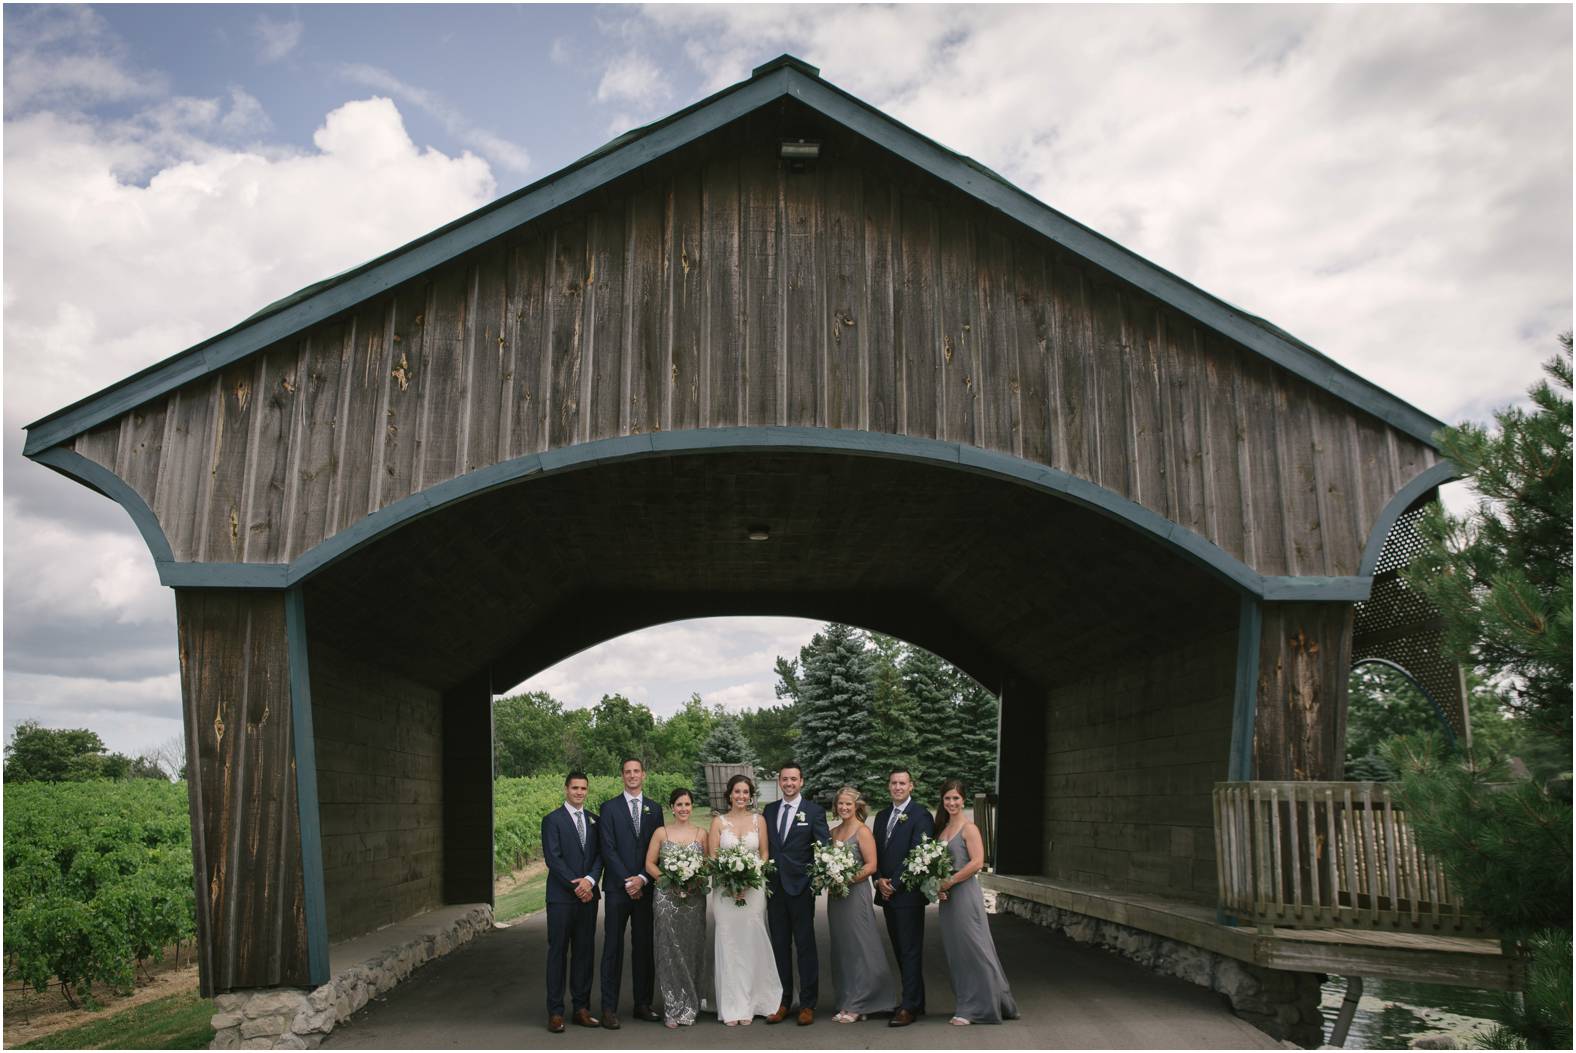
[
  {"x": 795, "y": 854},
  {"x": 623, "y": 853},
  {"x": 566, "y": 861},
  {"x": 890, "y": 853}
]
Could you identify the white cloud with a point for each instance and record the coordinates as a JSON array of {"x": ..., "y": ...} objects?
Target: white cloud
[
  {"x": 276, "y": 38},
  {"x": 65, "y": 56},
  {"x": 493, "y": 146},
  {"x": 633, "y": 79}
]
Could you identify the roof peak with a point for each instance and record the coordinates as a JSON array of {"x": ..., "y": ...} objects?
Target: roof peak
[{"x": 785, "y": 61}]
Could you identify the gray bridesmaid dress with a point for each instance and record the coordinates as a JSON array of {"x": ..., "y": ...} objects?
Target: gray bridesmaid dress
[
  {"x": 681, "y": 946},
  {"x": 977, "y": 977},
  {"x": 862, "y": 978}
]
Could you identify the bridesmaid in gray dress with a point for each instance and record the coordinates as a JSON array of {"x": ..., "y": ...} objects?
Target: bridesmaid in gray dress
[
  {"x": 977, "y": 977},
  {"x": 680, "y": 921},
  {"x": 864, "y": 981}
]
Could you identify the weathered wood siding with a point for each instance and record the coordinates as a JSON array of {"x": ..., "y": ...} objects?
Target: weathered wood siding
[
  {"x": 1305, "y": 661},
  {"x": 717, "y": 289},
  {"x": 246, "y": 824}
]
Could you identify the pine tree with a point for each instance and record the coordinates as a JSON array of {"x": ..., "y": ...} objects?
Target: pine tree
[
  {"x": 977, "y": 716},
  {"x": 927, "y": 681},
  {"x": 1501, "y": 575},
  {"x": 726, "y": 744},
  {"x": 895, "y": 741},
  {"x": 835, "y": 726}
]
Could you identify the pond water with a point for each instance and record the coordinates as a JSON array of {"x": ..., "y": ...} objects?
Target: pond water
[{"x": 1391, "y": 1013}]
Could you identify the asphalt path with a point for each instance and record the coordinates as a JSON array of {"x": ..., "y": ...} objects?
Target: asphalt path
[{"x": 489, "y": 995}]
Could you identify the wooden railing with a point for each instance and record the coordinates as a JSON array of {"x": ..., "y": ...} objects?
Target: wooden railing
[{"x": 1328, "y": 855}]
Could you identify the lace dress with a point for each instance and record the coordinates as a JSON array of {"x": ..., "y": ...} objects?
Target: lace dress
[
  {"x": 746, "y": 969},
  {"x": 681, "y": 949}
]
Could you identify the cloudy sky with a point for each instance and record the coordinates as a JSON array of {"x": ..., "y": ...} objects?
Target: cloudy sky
[{"x": 1391, "y": 184}]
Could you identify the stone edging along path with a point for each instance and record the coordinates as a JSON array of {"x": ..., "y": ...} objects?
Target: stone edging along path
[{"x": 362, "y": 969}]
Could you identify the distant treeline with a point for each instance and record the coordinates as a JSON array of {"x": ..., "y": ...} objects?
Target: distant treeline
[{"x": 853, "y": 706}]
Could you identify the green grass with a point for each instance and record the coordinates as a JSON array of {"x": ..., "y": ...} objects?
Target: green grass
[{"x": 177, "y": 1022}]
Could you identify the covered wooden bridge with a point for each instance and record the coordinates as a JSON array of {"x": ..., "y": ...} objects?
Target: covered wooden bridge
[{"x": 1142, "y": 515}]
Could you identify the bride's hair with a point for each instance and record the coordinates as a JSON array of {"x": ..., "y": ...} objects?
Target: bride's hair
[
  {"x": 941, "y": 809},
  {"x": 741, "y": 777},
  {"x": 860, "y": 810}
]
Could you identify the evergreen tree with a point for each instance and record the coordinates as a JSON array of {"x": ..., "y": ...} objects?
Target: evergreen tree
[
  {"x": 977, "y": 720},
  {"x": 1501, "y": 575},
  {"x": 725, "y": 744},
  {"x": 928, "y": 683},
  {"x": 834, "y": 723},
  {"x": 895, "y": 739},
  {"x": 771, "y": 732}
]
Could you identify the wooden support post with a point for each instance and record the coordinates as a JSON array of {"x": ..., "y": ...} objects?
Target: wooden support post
[
  {"x": 1020, "y": 776},
  {"x": 468, "y": 794},
  {"x": 255, "y": 846},
  {"x": 1300, "y": 715}
]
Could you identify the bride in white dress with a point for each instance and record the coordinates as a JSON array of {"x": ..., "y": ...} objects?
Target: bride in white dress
[{"x": 746, "y": 970}]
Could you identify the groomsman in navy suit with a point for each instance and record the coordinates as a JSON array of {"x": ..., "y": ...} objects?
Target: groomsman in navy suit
[
  {"x": 628, "y": 821},
  {"x": 899, "y": 828},
  {"x": 573, "y": 851},
  {"x": 793, "y": 827}
]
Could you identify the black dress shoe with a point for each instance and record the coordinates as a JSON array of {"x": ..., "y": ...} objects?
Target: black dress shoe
[
  {"x": 610, "y": 1020},
  {"x": 645, "y": 1012}
]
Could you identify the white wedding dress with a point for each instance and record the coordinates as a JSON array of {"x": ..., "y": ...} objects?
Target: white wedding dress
[{"x": 746, "y": 971}]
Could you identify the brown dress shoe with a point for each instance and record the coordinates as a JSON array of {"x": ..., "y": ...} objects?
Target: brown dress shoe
[
  {"x": 610, "y": 1020},
  {"x": 779, "y": 1016},
  {"x": 645, "y": 1012},
  {"x": 901, "y": 1018},
  {"x": 583, "y": 1018},
  {"x": 806, "y": 1016},
  {"x": 555, "y": 1024}
]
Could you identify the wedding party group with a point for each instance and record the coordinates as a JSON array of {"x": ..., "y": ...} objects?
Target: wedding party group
[{"x": 758, "y": 875}]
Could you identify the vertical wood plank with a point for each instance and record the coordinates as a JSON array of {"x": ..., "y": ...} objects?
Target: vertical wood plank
[
  {"x": 529, "y": 263},
  {"x": 879, "y": 337},
  {"x": 407, "y": 366},
  {"x": 232, "y": 446},
  {"x": 1112, "y": 457},
  {"x": 915, "y": 319},
  {"x": 724, "y": 274},
  {"x": 489, "y": 355},
  {"x": 647, "y": 293},
  {"x": 687, "y": 300},
  {"x": 1152, "y": 440},
  {"x": 955, "y": 290},
  {"x": 844, "y": 268},
  {"x": 142, "y": 449},
  {"x": 802, "y": 298},
  {"x": 443, "y": 395},
  {"x": 325, "y": 359},
  {"x": 566, "y": 332},
  {"x": 1000, "y": 386},
  {"x": 760, "y": 178},
  {"x": 1036, "y": 305},
  {"x": 269, "y": 477}
]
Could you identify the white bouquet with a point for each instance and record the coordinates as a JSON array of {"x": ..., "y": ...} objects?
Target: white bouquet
[
  {"x": 833, "y": 868},
  {"x": 926, "y": 866},
  {"x": 682, "y": 870},
  {"x": 737, "y": 869}
]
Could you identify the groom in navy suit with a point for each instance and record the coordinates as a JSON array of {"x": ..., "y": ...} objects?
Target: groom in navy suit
[
  {"x": 628, "y": 821},
  {"x": 793, "y": 827},
  {"x": 572, "y": 850},
  {"x": 899, "y": 828}
]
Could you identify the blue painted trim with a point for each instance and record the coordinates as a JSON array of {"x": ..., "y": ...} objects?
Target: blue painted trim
[
  {"x": 310, "y": 825},
  {"x": 96, "y": 477},
  {"x": 772, "y": 81},
  {"x": 1438, "y": 475},
  {"x": 1439, "y": 710},
  {"x": 224, "y": 575},
  {"x": 1317, "y": 590},
  {"x": 1244, "y": 710}
]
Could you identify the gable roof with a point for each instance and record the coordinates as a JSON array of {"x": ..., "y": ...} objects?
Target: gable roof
[{"x": 784, "y": 76}]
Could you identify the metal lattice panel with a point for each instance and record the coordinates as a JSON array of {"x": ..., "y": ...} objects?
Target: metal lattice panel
[{"x": 1401, "y": 628}]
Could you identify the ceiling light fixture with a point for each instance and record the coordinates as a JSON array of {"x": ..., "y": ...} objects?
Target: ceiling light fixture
[{"x": 760, "y": 533}]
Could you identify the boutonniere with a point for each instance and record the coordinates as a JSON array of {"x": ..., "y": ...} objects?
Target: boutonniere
[
  {"x": 902, "y": 817},
  {"x": 799, "y": 819},
  {"x": 590, "y": 818}
]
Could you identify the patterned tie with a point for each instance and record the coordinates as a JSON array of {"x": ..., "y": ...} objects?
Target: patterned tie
[
  {"x": 892, "y": 822},
  {"x": 634, "y": 814},
  {"x": 580, "y": 828}
]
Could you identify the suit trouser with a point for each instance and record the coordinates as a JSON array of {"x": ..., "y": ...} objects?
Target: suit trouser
[
  {"x": 906, "y": 928},
  {"x": 637, "y": 913},
  {"x": 791, "y": 921},
  {"x": 571, "y": 936}
]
